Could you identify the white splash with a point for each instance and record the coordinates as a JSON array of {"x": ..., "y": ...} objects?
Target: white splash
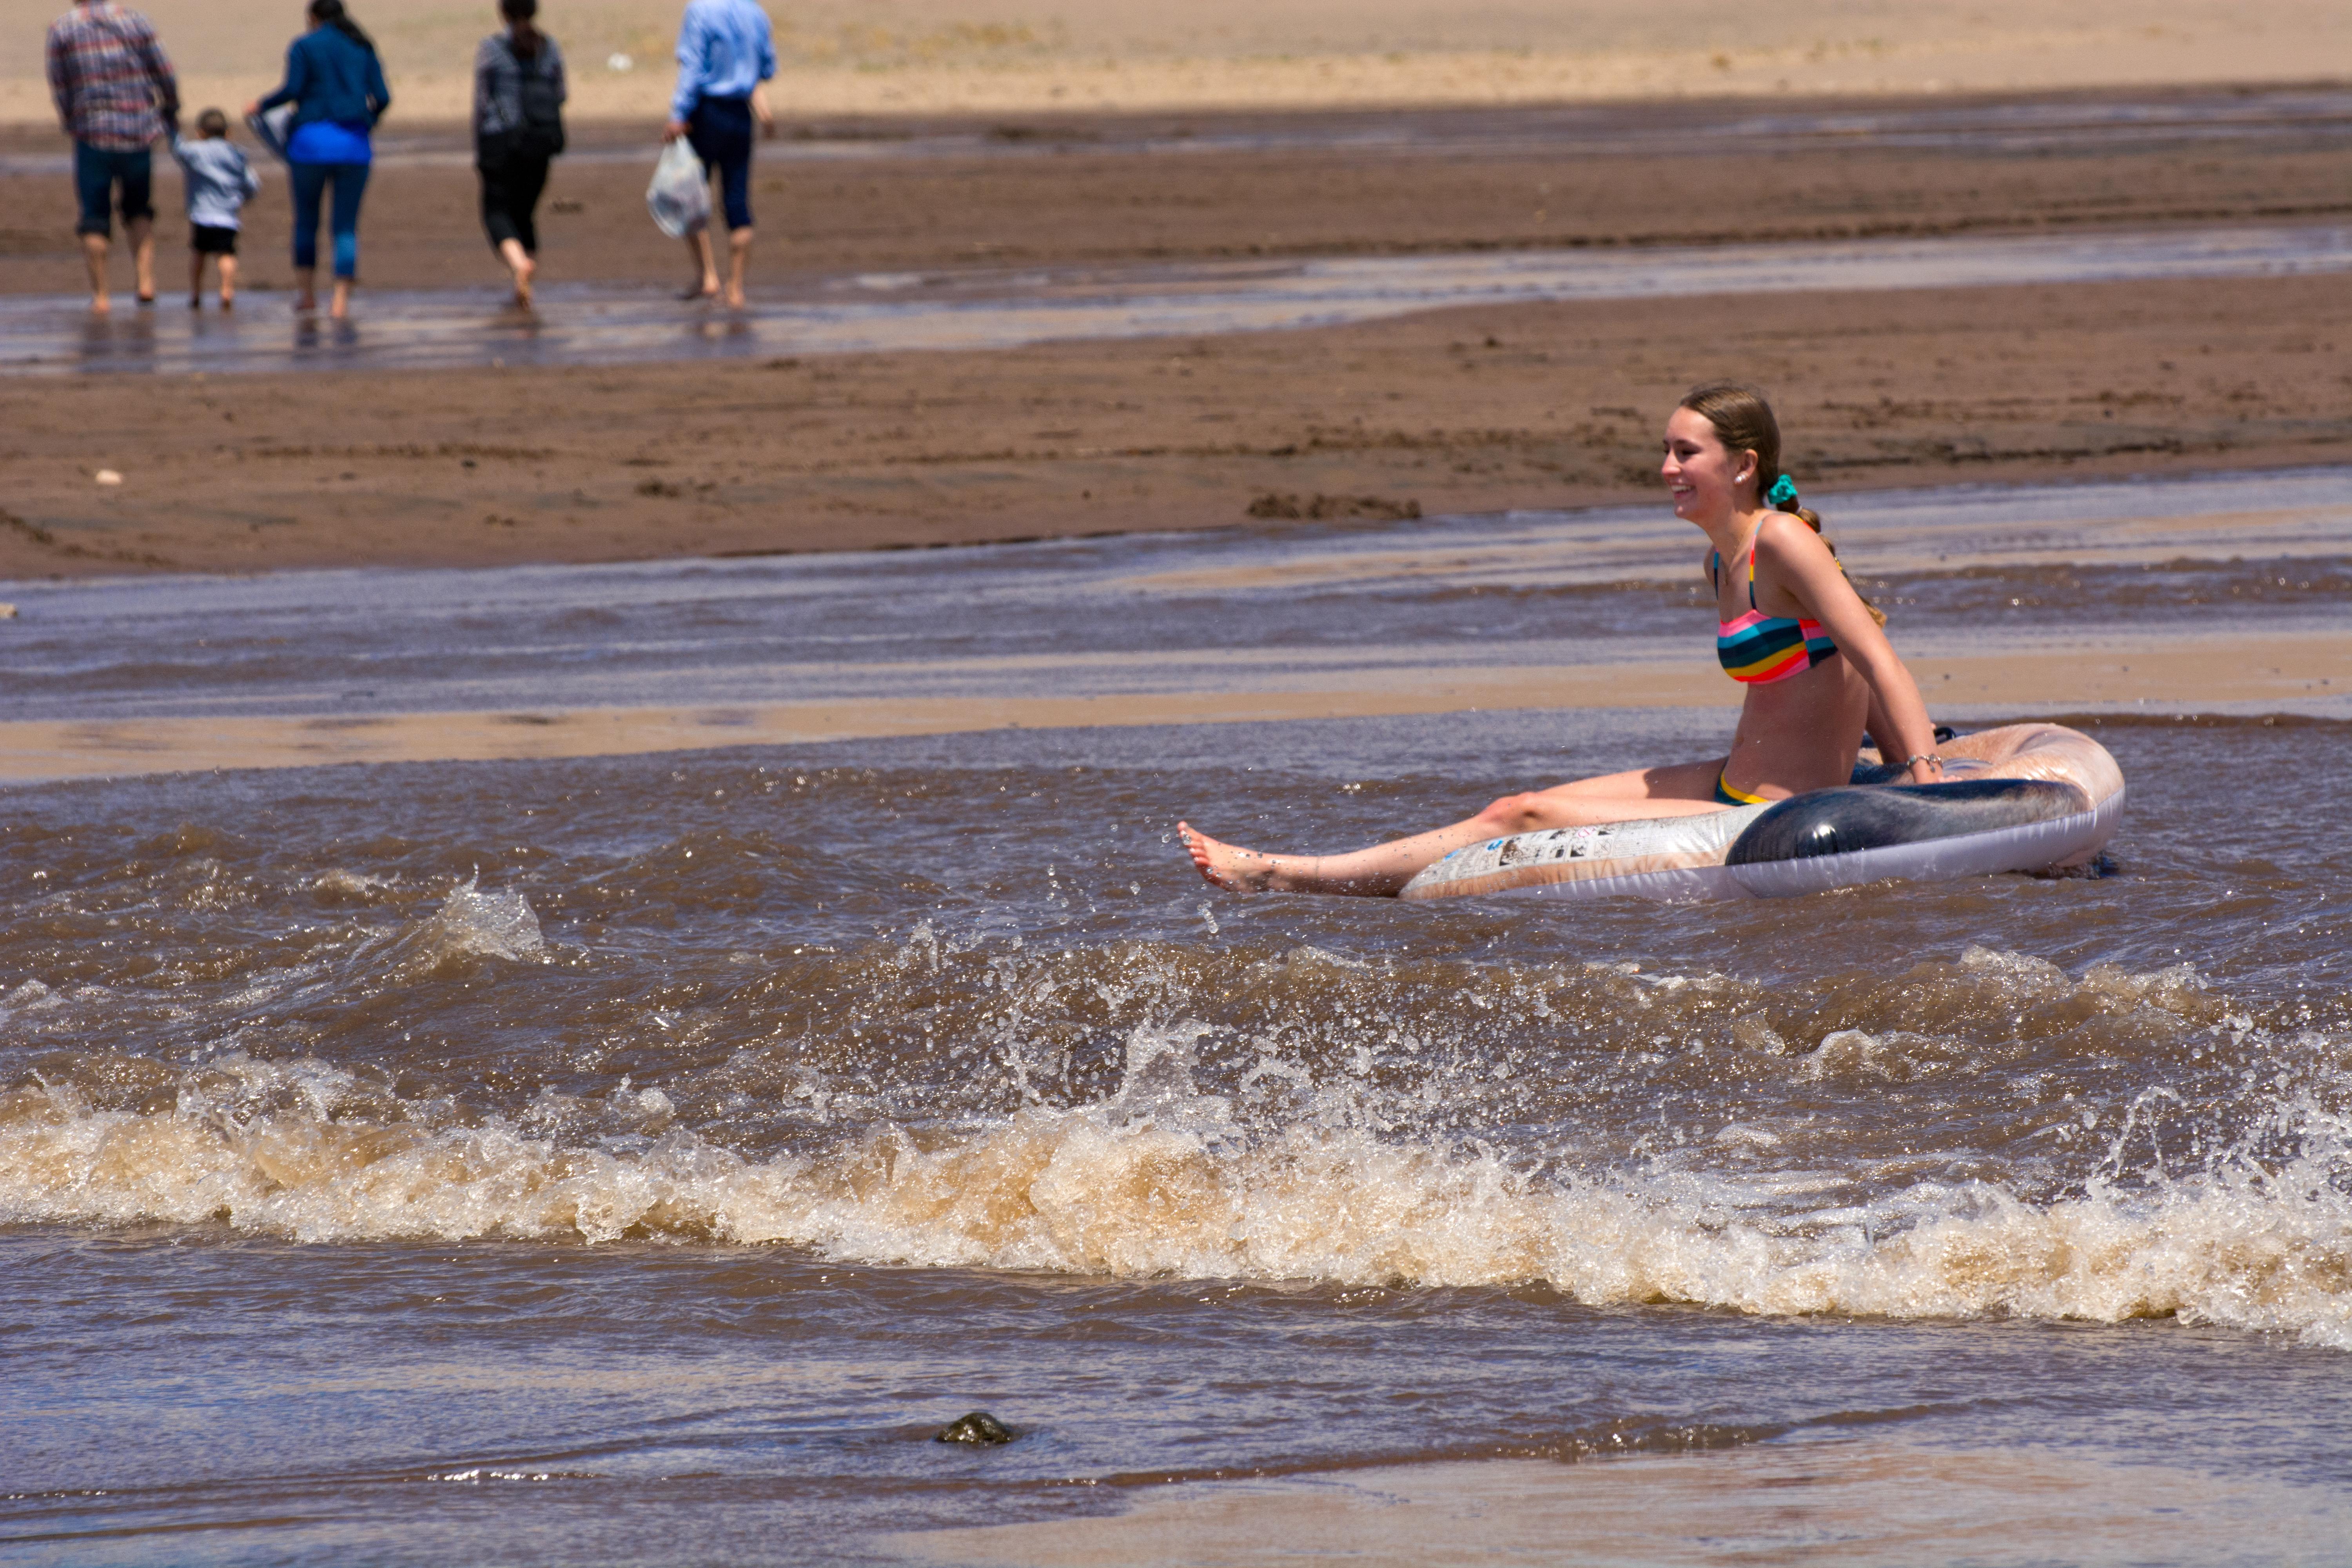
[{"x": 1155, "y": 1181}]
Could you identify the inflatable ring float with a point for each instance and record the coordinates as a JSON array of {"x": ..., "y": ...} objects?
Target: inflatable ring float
[{"x": 2026, "y": 797}]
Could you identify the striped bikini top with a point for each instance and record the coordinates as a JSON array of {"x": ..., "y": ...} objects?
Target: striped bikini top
[{"x": 1757, "y": 649}]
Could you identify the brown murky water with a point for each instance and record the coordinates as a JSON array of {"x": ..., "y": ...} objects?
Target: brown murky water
[{"x": 634, "y": 1158}]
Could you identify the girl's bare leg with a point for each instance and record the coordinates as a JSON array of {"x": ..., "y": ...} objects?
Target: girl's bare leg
[
  {"x": 1382, "y": 869},
  {"x": 196, "y": 279},
  {"x": 228, "y": 282},
  {"x": 306, "y": 288}
]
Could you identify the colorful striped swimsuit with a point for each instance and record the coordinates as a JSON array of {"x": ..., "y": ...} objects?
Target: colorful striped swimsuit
[{"x": 1757, "y": 649}]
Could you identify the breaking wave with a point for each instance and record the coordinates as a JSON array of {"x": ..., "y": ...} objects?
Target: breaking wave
[{"x": 1161, "y": 1179}]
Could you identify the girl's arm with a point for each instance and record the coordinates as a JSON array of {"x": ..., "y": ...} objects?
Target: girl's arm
[{"x": 1809, "y": 573}]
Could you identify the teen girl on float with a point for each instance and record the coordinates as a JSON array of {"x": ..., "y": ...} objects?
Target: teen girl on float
[{"x": 1791, "y": 629}]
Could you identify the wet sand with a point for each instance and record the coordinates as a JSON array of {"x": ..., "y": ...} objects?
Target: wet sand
[
  {"x": 914, "y": 192},
  {"x": 2193, "y": 674},
  {"x": 1841, "y": 1502},
  {"x": 2086, "y": 585},
  {"x": 590, "y": 327},
  {"x": 1476, "y": 410}
]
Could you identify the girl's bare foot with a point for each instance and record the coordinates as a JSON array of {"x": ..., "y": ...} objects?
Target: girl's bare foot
[
  {"x": 523, "y": 272},
  {"x": 1223, "y": 864},
  {"x": 706, "y": 289},
  {"x": 338, "y": 306},
  {"x": 734, "y": 296},
  {"x": 304, "y": 304}
]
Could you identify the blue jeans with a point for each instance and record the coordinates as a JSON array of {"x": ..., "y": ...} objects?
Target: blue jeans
[
  {"x": 311, "y": 181},
  {"x": 97, "y": 171}
]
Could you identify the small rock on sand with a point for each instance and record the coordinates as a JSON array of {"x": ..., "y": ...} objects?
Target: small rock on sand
[{"x": 107, "y": 477}]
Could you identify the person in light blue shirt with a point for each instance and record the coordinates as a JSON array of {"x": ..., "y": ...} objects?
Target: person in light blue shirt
[
  {"x": 336, "y": 84},
  {"x": 725, "y": 50}
]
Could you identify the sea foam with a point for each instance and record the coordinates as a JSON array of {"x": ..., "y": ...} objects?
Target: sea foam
[{"x": 1160, "y": 1180}]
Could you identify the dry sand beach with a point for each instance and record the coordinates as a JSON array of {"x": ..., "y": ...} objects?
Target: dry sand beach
[{"x": 946, "y": 56}]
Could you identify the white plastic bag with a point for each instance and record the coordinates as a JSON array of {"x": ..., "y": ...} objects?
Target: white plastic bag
[
  {"x": 679, "y": 197},
  {"x": 271, "y": 128}
]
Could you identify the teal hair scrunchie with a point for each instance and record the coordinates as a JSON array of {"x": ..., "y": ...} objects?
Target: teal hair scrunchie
[{"x": 1783, "y": 491}]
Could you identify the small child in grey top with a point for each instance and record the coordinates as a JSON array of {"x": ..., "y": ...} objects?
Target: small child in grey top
[{"x": 220, "y": 181}]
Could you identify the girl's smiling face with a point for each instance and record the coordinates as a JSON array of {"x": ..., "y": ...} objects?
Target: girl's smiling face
[{"x": 1705, "y": 478}]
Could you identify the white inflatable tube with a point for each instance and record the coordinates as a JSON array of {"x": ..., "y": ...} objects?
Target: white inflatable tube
[{"x": 2027, "y": 797}]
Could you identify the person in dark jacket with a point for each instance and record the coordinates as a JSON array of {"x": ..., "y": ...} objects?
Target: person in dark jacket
[
  {"x": 336, "y": 84},
  {"x": 518, "y": 128}
]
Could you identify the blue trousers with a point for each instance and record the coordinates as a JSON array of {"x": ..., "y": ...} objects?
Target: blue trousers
[
  {"x": 310, "y": 182},
  {"x": 720, "y": 132}
]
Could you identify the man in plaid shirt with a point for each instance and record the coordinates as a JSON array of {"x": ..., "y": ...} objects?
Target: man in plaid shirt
[{"x": 115, "y": 95}]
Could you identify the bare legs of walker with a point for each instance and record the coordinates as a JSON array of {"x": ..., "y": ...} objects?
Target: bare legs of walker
[
  {"x": 739, "y": 256},
  {"x": 706, "y": 271},
  {"x": 306, "y": 293},
  {"x": 94, "y": 247},
  {"x": 196, "y": 280},
  {"x": 512, "y": 183},
  {"x": 519, "y": 262},
  {"x": 140, "y": 233},
  {"x": 1383, "y": 870},
  {"x": 97, "y": 247},
  {"x": 703, "y": 256}
]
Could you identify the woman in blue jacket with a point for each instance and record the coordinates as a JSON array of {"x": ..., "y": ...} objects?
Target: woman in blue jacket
[{"x": 336, "y": 84}]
